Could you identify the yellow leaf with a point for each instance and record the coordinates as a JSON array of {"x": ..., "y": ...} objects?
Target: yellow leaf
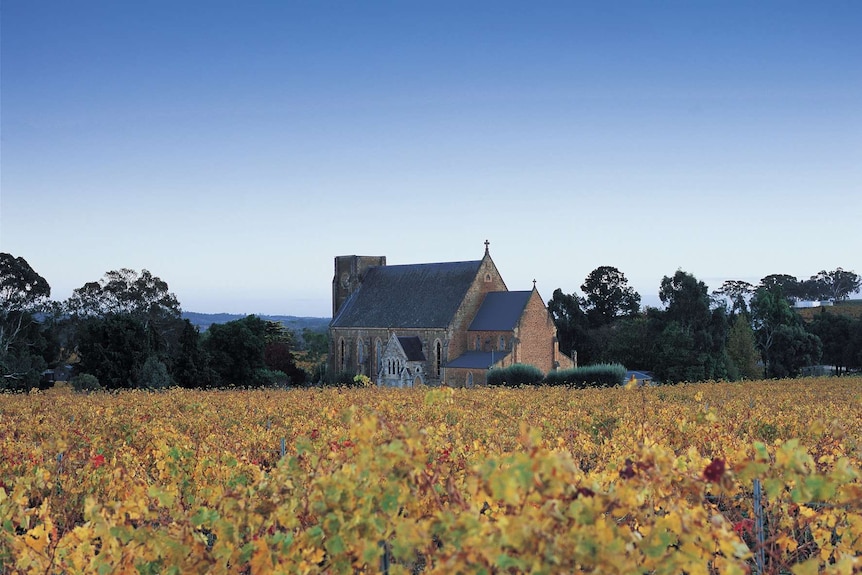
[
  {"x": 37, "y": 538},
  {"x": 261, "y": 558},
  {"x": 810, "y": 567}
]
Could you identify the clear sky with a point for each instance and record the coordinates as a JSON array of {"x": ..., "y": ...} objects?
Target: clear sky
[{"x": 234, "y": 148}]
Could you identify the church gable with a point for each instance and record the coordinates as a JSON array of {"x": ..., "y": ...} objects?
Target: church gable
[{"x": 402, "y": 362}]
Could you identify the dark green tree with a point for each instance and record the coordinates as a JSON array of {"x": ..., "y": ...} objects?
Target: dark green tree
[
  {"x": 113, "y": 348},
  {"x": 191, "y": 365},
  {"x": 699, "y": 333},
  {"x": 237, "y": 352},
  {"x": 632, "y": 342},
  {"x": 836, "y": 333},
  {"x": 571, "y": 323},
  {"x": 121, "y": 299},
  {"x": 607, "y": 296},
  {"x": 784, "y": 343}
]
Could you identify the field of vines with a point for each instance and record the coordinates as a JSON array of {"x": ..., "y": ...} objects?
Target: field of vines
[{"x": 435, "y": 480}]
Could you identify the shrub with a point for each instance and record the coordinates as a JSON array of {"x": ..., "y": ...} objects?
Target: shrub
[
  {"x": 154, "y": 374},
  {"x": 86, "y": 382},
  {"x": 515, "y": 375},
  {"x": 599, "y": 375}
]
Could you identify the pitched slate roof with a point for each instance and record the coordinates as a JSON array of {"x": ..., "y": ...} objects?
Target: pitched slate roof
[
  {"x": 408, "y": 296},
  {"x": 412, "y": 347},
  {"x": 477, "y": 359},
  {"x": 500, "y": 311}
]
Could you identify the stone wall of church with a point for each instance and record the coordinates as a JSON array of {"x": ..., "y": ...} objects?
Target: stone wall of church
[
  {"x": 346, "y": 354},
  {"x": 537, "y": 338}
]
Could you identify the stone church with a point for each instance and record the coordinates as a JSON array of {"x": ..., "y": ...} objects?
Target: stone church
[{"x": 438, "y": 323}]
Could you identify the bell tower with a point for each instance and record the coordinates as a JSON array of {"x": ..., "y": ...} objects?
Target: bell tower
[{"x": 349, "y": 273}]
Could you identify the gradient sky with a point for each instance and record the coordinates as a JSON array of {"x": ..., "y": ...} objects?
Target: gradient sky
[{"x": 234, "y": 148}]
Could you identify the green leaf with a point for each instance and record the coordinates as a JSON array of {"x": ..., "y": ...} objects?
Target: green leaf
[
  {"x": 506, "y": 561},
  {"x": 335, "y": 545}
]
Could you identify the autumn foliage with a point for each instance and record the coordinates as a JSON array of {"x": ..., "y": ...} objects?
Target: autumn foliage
[{"x": 540, "y": 480}]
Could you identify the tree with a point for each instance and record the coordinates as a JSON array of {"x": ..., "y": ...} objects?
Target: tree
[
  {"x": 123, "y": 291},
  {"x": 785, "y": 345},
  {"x": 789, "y": 287},
  {"x": 836, "y": 333},
  {"x": 737, "y": 293},
  {"x": 571, "y": 324},
  {"x": 608, "y": 297},
  {"x": 697, "y": 331},
  {"x": 112, "y": 348},
  {"x": 23, "y": 293},
  {"x": 236, "y": 350},
  {"x": 742, "y": 350},
  {"x": 836, "y": 285},
  {"x": 191, "y": 365},
  {"x": 632, "y": 343},
  {"x": 123, "y": 298}
]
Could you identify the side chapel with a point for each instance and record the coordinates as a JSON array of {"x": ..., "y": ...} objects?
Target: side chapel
[{"x": 438, "y": 323}]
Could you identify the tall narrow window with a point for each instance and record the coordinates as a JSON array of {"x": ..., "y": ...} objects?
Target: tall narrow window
[
  {"x": 379, "y": 349},
  {"x": 438, "y": 357},
  {"x": 343, "y": 356}
]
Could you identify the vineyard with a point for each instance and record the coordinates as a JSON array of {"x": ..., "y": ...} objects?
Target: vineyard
[{"x": 435, "y": 480}]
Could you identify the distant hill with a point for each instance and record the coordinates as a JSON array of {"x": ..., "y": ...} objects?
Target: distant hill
[{"x": 293, "y": 323}]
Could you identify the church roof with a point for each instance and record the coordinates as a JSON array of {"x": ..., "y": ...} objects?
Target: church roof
[
  {"x": 500, "y": 311},
  {"x": 477, "y": 359},
  {"x": 408, "y": 296},
  {"x": 412, "y": 347}
]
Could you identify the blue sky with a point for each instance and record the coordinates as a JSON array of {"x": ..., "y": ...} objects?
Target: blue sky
[{"x": 234, "y": 148}]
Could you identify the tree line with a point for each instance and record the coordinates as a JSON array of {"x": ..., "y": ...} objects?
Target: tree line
[
  {"x": 739, "y": 331},
  {"x": 126, "y": 331}
]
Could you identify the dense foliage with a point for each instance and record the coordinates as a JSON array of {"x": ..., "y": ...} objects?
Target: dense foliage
[
  {"x": 740, "y": 331},
  {"x": 541, "y": 480},
  {"x": 126, "y": 331}
]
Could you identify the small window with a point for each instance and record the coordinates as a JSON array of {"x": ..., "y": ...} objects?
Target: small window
[
  {"x": 502, "y": 346},
  {"x": 487, "y": 278},
  {"x": 438, "y": 357}
]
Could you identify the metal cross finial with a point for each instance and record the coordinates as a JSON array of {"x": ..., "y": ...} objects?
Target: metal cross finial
[
  {"x": 487, "y": 243},
  {"x": 534, "y": 284}
]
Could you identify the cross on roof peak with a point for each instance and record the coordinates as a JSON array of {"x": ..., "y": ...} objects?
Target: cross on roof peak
[{"x": 487, "y": 243}]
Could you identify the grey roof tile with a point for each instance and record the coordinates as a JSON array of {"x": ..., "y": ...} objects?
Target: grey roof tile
[
  {"x": 412, "y": 347},
  {"x": 408, "y": 296},
  {"x": 477, "y": 359},
  {"x": 500, "y": 311}
]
